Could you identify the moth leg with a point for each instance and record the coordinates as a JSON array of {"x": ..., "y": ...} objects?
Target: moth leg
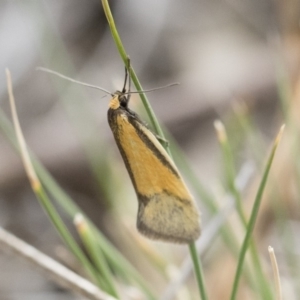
[
  {"x": 127, "y": 76},
  {"x": 162, "y": 140}
]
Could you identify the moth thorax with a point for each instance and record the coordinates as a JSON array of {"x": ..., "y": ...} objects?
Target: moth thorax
[{"x": 114, "y": 103}]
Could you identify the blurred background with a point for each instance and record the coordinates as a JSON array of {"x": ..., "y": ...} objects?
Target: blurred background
[{"x": 234, "y": 61}]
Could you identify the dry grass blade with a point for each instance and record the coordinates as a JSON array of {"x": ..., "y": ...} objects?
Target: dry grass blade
[
  {"x": 34, "y": 181},
  {"x": 59, "y": 273},
  {"x": 276, "y": 273}
]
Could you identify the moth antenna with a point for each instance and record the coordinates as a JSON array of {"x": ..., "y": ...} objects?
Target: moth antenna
[
  {"x": 73, "y": 80},
  {"x": 154, "y": 89}
]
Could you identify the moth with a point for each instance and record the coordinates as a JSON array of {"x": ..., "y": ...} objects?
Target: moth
[{"x": 166, "y": 209}]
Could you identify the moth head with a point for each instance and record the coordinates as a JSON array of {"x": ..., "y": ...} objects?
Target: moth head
[{"x": 118, "y": 99}]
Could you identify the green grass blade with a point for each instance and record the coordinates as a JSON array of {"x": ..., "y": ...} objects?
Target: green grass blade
[
  {"x": 253, "y": 216},
  {"x": 230, "y": 174},
  {"x": 92, "y": 247}
]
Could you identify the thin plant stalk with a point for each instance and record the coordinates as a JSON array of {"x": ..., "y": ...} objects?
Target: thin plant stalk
[
  {"x": 153, "y": 120},
  {"x": 131, "y": 71},
  {"x": 198, "y": 271}
]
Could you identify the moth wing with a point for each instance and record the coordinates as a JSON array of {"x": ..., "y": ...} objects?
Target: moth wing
[{"x": 167, "y": 210}]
